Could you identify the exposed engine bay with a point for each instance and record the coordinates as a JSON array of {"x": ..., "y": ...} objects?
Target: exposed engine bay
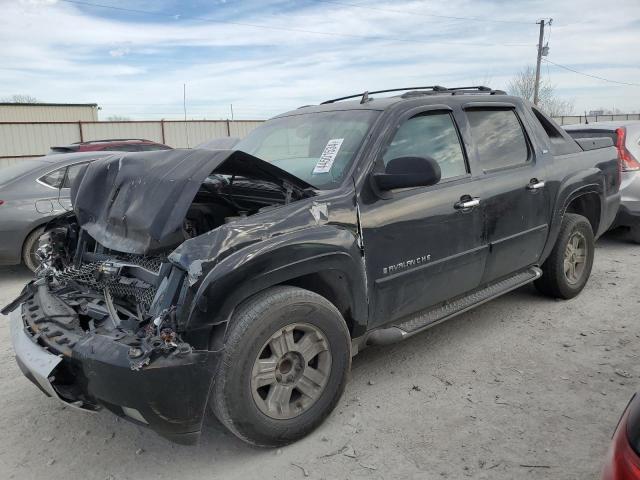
[
  {"x": 84, "y": 288},
  {"x": 224, "y": 199},
  {"x": 108, "y": 320}
]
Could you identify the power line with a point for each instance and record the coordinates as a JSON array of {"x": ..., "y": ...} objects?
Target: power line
[
  {"x": 592, "y": 76},
  {"x": 287, "y": 29},
  {"x": 419, "y": 14}
]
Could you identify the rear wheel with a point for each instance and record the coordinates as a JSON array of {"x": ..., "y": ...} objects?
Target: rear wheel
[
  {"x": 31, "y": 244},
  {"x": 566, "y": 271},
  {"x": 635, "y": 233},
  {"x": 284, "y": 368}
]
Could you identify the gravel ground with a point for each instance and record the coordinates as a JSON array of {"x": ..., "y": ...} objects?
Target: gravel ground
[{"x": 521, "y": 387}]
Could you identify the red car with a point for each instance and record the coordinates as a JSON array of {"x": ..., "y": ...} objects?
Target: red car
[
  {"x": 117, "y": 145},
  {"x": 623, "y": 459}
]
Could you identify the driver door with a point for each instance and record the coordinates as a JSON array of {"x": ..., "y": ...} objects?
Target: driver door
[{"x": 422, "y": 246}]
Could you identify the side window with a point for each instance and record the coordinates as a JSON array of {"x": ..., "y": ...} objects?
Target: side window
[
  {"x": 54, "y": 179},
  {"x": 560, "y": 144},
  {"x": 429, "y": 135},
  {"x": 72, "y": 173},
  {"x": 499, "y": 137}
]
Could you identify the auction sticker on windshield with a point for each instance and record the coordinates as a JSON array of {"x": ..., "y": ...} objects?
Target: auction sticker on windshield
[{"x": 328, "y": 156}]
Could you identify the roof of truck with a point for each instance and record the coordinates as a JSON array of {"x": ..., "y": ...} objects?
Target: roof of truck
[{"x": 433, "y": 94}]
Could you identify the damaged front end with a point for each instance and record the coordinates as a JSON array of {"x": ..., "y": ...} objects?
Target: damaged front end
[
  {"x": 104, "y": 324},
  {"x": 103, "y": 333}
]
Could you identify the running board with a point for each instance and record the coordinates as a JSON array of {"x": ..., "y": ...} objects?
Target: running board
[{"x": 428, "y": 318}]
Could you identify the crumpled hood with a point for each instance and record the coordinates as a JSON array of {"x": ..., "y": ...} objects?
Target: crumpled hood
[{"x": 137, "y": 202}]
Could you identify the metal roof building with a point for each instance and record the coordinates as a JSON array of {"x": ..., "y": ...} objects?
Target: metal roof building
[{"x": 48, "y": 112}]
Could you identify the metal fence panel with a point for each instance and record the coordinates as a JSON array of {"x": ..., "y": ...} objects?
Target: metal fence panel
[
  {"x": 26, "y": 112},
  {"x": 24, "y": 139},
  {"x": 242, "y": 129},
  {"x": 106, "y": 130},
  {"x": 577, "y": 119},
  {"x": 191, "y": 133}
]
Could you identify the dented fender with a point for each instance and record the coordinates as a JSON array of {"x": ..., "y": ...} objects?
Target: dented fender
[{"x": 233, "y": 262}]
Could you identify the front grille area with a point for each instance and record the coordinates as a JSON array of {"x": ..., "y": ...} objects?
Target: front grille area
[
  {"x": 148, "y": 263},
  {"x": 86, "y": 275}
]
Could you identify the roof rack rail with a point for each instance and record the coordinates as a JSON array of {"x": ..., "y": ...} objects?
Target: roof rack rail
[
  {"x": 112, "y": 140},
  {"x": 480, "y": 88},
  {"x": 433, "y": 88},
  {"x": 365, "y": 95}
]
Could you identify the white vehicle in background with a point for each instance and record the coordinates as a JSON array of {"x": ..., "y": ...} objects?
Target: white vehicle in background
[{"x": 626, "y": 138}]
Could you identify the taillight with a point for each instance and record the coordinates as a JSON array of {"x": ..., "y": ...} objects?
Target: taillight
[
  {"x": 628, "y": 162},
  {"x": 1, "y": 202},
  {"x": 622, "y": 461}
]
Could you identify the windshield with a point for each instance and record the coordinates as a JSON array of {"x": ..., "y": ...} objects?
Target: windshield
[{"x": 315, "y": 147}]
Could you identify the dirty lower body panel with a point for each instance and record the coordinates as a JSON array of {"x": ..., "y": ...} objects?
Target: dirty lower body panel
[{"x": 160, "y": 384}]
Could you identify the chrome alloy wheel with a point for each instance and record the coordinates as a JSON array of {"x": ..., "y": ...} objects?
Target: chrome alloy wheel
[
  {"x": 291, "y": 371},
  {"x": 575, "y": 257}
]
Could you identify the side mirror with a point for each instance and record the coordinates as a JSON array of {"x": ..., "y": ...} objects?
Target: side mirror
[{"x": 404, "y": 172}]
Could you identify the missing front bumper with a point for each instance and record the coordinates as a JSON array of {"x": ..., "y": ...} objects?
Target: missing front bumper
[
  {"x": 36, "y": 363},
  {"x": 169, "y": 395}
]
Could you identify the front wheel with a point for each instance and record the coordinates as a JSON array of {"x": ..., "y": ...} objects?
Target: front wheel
[
  {"x": 566, "y": 271},
  {"x": 635, "y": 233},
  {"x": 285, "y": 364}
]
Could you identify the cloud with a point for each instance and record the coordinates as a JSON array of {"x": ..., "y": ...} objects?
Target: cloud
[
  {"x": 135, "y": 65},
  {"x": 119, "y": 52},
  {"x": 39, "y": 2}
]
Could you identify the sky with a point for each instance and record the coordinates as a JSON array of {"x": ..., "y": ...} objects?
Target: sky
[{"x": 265, "y": 57}]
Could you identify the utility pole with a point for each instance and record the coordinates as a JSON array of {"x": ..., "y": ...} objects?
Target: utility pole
[
  {"x": 542, "y": 51},
  {"x": 536, "y": 87}
]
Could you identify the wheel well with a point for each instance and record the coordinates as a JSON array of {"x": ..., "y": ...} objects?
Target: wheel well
[
  {"x": 332, "y": 285},
  {"x": 587, "y": 205},
  {"x": 26, "y": 237}
]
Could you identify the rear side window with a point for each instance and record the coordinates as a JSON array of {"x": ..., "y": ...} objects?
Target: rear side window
[
  {"x": 54, "y": 179},
  {"x": 499, "y": 138},
  {"x": 429, "y": 135},
  {"x": 72, "y": 173}
]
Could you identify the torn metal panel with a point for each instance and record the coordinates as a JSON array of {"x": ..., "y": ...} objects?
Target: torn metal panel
[{"x": 320, "y": 211}]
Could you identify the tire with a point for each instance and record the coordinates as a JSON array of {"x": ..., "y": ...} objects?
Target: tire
[
  {"x": 29, "y": 249},
  {"x": 251, "y": 411},
  {"x": 556, "y": 281},
  {"x": 635, "y": 233}
]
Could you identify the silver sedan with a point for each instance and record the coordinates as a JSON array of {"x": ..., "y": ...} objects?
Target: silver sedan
[
  {"x": 626, "y": 137},
  {"x": 32, "y": 192}
]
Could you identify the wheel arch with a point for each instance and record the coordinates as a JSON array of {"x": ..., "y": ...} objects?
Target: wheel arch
[
  {"x": 589, "y": 205},
  {"x": 334, "y": 272},
  {"x": 586, "y": 200}
]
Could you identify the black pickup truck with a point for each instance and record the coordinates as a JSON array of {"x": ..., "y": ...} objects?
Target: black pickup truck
[{"x": 246, "y": 279}]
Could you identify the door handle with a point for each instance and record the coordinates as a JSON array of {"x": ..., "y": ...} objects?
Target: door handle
[
  {"x": 534, "y": 184},
  {"x": 467, "y": 203}
]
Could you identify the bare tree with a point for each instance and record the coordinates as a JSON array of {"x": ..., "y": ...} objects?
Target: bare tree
[
  {"x": 118, "y": 118},
  {"x": 523, "y": 85},
  {"x": 19, "y": 98}
]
